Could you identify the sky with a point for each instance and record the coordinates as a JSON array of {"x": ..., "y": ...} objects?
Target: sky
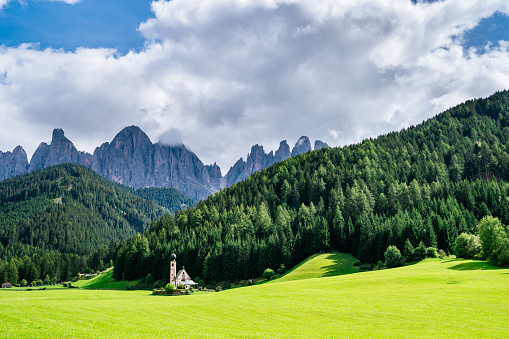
[{"x": 222, "y": 75}]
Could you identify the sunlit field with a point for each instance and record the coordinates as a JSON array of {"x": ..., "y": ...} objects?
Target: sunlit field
[{"x": 435, "y": 298}]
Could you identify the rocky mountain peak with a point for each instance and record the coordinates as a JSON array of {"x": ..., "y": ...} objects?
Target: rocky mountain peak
[
  {"x": 58, "y": 136},
  {"x": 13, "y": 163},
  {"x": 60, "y": 151},
  {"x": 131, "y": 136},
  {"x": 283, "y": 152},
  {"x": 303, "y": 145},
  {"x": 320, "y": 144}
]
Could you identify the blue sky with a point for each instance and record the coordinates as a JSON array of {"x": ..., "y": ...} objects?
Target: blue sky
[
  {"x": 490, "y": 30},
  {"x": 89, "y": 23},
  {"x": 223, "y": 75}
]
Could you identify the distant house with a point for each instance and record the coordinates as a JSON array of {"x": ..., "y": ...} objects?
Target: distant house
[
  {"x": 180, "y": 278},
  {"x": 86, "y": 275},
  {"x": 6, "y": 285}
]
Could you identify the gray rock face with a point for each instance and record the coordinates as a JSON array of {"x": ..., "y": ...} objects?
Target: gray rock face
[
  {"x": 255, "y": 161},
  {"x": 320, "y": 144},
  {"x": 236, "y": 172},
  {"x": 60, "y": 151},
  {"x": 303, "y": 145},
  {"x": 13, "y": 163},
  {"x": 133, "y": 160},
  {"x": 283, "y": 152}
]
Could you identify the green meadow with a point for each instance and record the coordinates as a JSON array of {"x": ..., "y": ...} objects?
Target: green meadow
[
  {"x": 104, "y": 281},
  {"x": 435, "y": 298},
  {"x": 322, "y": 265}
]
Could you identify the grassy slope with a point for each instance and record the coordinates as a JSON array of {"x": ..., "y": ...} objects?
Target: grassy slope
[
  {"x": 424, "y": 300},
  {"x": 104, "y": 281},
  {"x": 322, "y": 265}
]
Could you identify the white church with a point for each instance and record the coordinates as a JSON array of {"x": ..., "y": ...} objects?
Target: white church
[{"x": 180, "y": 278}]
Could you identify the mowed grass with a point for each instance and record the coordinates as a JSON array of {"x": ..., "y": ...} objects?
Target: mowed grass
[
  {"x": 322, "y": 265},
  {"x": 104, "y": 281},
  {"x": 426, "y": 300}
]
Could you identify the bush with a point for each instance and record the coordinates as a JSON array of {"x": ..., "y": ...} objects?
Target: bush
[
  {"x": 181, "y": 287},
  {"x": 408, "y": 251},
  {"x": 39, "y": 282},
  {"x": 64, "y": 284},
  {"x": 420, "y": 252},
  {"x": 460, "y": 245},
  {"x": 393, "y": 257},
  {"x": 24, "y": 283},
  {"x": 494, "y": 239},
  {"x": 366, "y": 267},
  {"x": 357, "y": 263},
  {"x": 149, "y": 280},
  {"x": 431, "y": 252},
  {"x": 219, "y": 288},
  {"x": 503, "y": 258},
  {"x": 268, "y": 273},
  {"x": 473, "y": 247},
  {"x": 281, "y": 269},
  {"x": 169, "y": 287},
  {"x": 442, "y": 254},
  {"x": 160, "y": 283}
]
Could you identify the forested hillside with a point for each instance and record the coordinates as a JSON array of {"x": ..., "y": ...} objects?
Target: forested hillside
[
  {"x": 70, "y": 209},
  {"x": 426, "y": 183},
  {"x": 170, "y": 198}
]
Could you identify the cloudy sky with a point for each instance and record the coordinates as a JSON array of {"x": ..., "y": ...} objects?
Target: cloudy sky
[{"x": 222, "y": 75}]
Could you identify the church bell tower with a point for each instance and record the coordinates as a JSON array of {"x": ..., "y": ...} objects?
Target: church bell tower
[{"x": 173, "y": 269}]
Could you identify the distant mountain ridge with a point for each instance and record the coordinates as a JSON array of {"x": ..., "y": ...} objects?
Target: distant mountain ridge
[{"x": 133, "y": 160}]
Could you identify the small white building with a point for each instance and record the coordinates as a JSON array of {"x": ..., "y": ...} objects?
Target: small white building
[{"x": 180, "y": 278}]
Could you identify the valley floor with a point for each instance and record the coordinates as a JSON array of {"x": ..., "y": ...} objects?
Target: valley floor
[{"x": 435, "y": 298}]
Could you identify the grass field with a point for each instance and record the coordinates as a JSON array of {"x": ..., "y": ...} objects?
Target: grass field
[
  {"x": 104, "y": 281},
  {"x": 322, "y": 265},
  {"x": 435, "y": 298}
]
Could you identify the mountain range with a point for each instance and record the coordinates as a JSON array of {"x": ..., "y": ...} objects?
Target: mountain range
[{"x": 133, "y": 160}]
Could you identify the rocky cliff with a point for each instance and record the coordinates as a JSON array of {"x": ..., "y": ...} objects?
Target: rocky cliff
[
  {"x": 133, "y": 160},
  {"x": 320, "y": 144},
  {"x": 60, "y": 151},
  {"x": 13, "y": 163},
  {"x": 303, "y": 145},
  {"x": 258, "y": 159}
]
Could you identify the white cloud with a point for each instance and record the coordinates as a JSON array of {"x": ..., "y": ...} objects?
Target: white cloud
[
  {"x": 223, "y": 75},
  {"x": 4, "y": 3}
]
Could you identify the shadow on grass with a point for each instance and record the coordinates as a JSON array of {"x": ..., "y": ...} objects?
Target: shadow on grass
[
  {"x": 340, "y": 266},
  {"x": 449, "y": 260},
  {"x": 473, "y": 266},
  {"x": 331, "y": 270}
]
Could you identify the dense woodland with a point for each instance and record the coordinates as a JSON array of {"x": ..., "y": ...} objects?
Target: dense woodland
[
  {"x": 427, "y": 183},
  {"x": 170, "y": 198},
  {"x": 65, "y": 219}
]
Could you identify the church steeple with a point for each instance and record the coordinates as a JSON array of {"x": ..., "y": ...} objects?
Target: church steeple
[{"x": 173, "y": 269}]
